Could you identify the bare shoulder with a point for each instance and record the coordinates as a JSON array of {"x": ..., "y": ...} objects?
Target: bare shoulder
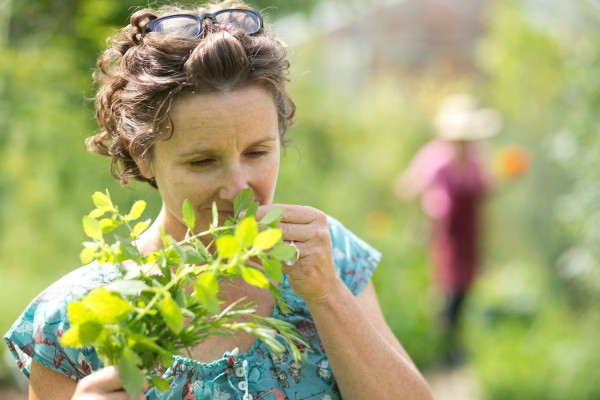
[{"x": 46, "y": 384}]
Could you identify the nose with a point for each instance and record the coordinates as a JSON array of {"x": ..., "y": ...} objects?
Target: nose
[{"x": 235, "y": 179}]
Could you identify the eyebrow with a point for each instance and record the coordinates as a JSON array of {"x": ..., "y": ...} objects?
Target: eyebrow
[{"x": 203, "y": 151}]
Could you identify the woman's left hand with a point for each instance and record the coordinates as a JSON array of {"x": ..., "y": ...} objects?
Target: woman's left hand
[{"x": 313, "y": 275}]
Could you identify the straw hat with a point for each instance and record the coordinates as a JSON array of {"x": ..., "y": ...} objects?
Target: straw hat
[{"x": 459, "y": 118}]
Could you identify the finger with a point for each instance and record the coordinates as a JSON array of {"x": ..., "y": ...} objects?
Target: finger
[
  {"x": 107, "y": 381},
  {"x": 291, "y": 213},
  {"x": 104, "y": 381}
]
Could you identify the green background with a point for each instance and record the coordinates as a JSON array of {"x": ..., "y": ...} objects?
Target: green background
[{"x": 532, "y": 322}]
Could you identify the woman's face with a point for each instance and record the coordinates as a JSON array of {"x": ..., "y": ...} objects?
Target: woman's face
[{"x": 221, "y": 144}]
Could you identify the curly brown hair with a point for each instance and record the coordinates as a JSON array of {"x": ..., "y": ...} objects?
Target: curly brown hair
[{"x": 140, "y": 74}]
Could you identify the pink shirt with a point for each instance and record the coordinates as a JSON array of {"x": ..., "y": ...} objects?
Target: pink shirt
[{"x": 452, "y": 195}]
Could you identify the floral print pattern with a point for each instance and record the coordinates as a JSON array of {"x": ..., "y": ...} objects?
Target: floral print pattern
[{"x": 256, "y": 375}]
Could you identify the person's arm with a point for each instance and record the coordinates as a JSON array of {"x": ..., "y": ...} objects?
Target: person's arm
[
  {"x": 46, "y": 384},
  {"x": 367, "y": 360},
  {"x": 421, "y": 170}
]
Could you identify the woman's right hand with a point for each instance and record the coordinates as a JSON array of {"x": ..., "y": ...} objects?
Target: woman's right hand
[
  {"x": 48, "y": 384},
  {"x": 104, "y": 384}
]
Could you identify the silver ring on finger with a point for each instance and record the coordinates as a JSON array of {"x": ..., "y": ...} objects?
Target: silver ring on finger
[{"x": 292, "y": 260}]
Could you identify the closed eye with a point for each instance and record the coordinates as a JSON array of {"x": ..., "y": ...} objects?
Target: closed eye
[
  {"x": 257, "y": 153},
  {"x": 202, "y": 163}
]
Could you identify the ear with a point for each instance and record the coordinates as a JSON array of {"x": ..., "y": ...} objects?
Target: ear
[{"x": 145, "y": 166}]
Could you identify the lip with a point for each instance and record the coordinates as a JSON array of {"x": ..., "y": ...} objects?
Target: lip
[{"x": 223, "y": 212}]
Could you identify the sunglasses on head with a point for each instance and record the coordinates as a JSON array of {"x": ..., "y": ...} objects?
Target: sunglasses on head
[{"x": 190, "y": 25}]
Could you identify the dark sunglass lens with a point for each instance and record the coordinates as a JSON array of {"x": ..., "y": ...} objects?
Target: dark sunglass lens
[
  {"x": 178, "y": 25},
  {"x": 235, "y": 19}
]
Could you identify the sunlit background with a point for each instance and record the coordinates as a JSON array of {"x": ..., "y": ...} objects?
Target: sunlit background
[{"x": 367, "y": 77}]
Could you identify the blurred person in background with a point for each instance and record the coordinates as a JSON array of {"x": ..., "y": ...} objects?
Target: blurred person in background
[
  {"x": 194, "y": 102},
  {"x": 449, "y": 175}
]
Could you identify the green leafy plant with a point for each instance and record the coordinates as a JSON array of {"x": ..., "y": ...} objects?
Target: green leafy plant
[{"x": 165, "y": 302}]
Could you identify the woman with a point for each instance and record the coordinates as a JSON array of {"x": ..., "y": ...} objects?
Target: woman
[
  {"x": 196, "y": 106},
  {"x": 448, "y": 173}
]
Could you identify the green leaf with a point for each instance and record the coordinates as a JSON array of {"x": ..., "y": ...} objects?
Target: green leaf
[
  {"x": 272, "y": 218},
  {"x": 102, "y": 202},
  {"x": 189, "y": 215},
  {"x": 267, "y": 239},
  {"x": 92, "y": 227},
  {"x": 228, "y": 246},
  {"x": 128, "y": 250},
  {"x": 272, "y": 268},
  {"x": 136, "y": 211},
  {"x": 141, "y": 342},
  {"x": 255, "y": 277},
  {"x": 242, "y": 201},
  {"x": 161, "y": 384},
  {"x": 251, "y": 210},
  {"x": 89, "y": 331},
  {"x": 283, "y": 251},
  {"x": 246, "y": 232},
  {"x": 126, "y": 288},
  {"x": 132, "y": 376},
  {"x": 192, "y": 255},
  {"x": 171, "y": 312}
]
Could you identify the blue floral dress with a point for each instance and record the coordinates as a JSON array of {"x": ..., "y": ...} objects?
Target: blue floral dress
[{"x": 257, "y": 374}]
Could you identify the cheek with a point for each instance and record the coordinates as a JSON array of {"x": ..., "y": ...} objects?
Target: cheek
[{"x": 268, "y": 182}]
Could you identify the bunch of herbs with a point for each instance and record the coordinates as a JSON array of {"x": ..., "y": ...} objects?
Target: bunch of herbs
[{"x": 164, "y": 303}]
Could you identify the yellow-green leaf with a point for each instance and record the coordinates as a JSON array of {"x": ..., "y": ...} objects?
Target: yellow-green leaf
[
  {"x": 207, "y": 297},
  {"x": 78, "y": 313},
  {"x": 267, "y": 239},
  {"x": 228, "y": 246},
  {"x": 246, "y": 232},
  {"x": 96, "y": 213},
  {"x": 255, "y": 277},
  {"x": 105, "y": 306},
  {"x": 92, "y": 227},
  {"x": 108, "y": 225},
  {"x": 139, "y": 228},
  {"x": 209, "y": 279},
  {"x": 136, "y": 210},
  {"x": 70, "y": 338},
  {"x": 102, "y": 202},
  {"x": 88, "y": 254}
]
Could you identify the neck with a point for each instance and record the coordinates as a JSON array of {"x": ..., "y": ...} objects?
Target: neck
[{"x": 150, "y": 240}]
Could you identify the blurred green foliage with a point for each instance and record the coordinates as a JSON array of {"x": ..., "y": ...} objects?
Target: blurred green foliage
[
  {"x": 534, "y": 319},
  {"x": 532, "y": 322}
]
